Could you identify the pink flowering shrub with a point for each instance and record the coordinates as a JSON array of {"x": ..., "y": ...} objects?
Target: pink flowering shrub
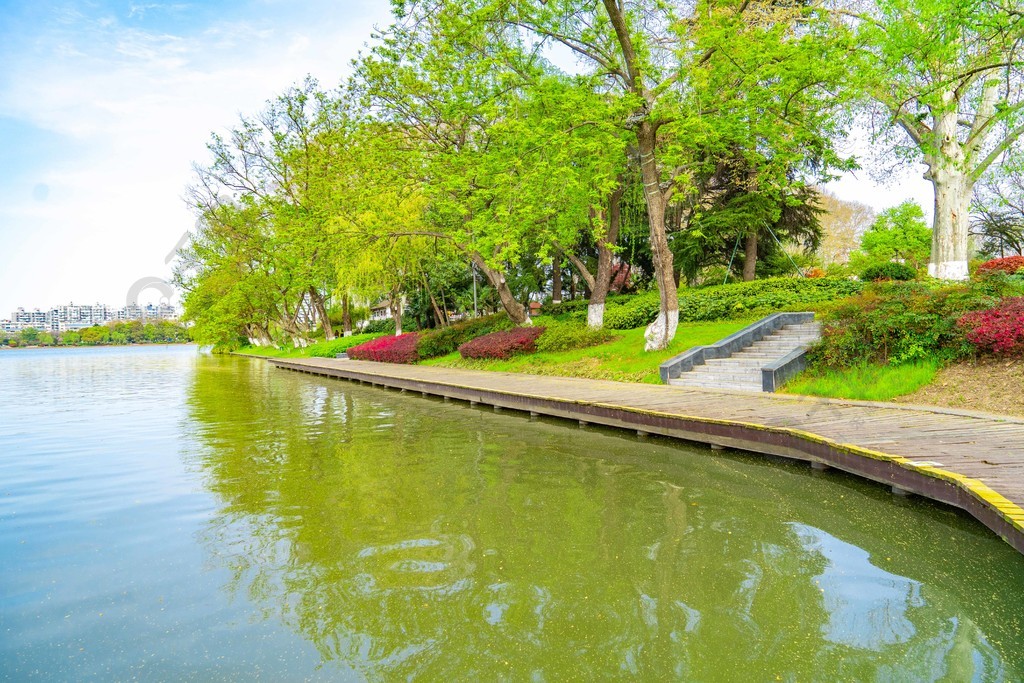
[
  {"x": 388, "y": 349},
  {"x": 999, "y": 329},
  {"x": 503, "y": 344}
]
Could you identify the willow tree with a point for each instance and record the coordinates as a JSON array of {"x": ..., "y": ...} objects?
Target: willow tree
[
  {"x": 950, "y": 74},
  {"x": 277, "y": 160}
]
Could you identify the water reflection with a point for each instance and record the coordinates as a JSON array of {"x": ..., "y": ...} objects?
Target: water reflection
[{"x": 409, "y": 538}]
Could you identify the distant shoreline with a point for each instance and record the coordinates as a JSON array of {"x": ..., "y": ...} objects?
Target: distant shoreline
[{"x": 94, "y": 346}]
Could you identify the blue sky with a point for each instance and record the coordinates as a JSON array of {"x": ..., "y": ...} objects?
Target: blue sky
[{"x": 104, "y": 106}]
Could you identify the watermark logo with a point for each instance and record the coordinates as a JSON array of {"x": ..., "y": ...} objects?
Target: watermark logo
[{"x": 159, "y": 284}]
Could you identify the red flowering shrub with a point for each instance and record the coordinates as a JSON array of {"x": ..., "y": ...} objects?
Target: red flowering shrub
[
  {"x": 388, "y": 349},
  {"x": 814, "y": 273},
  {"x": 503, "y": 344},
  {"x": 1010, "y": 264},
  {"x": 999, "y": 329}
]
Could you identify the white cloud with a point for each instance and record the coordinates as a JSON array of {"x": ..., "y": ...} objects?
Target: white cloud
[{"x": 138, "y": 106}]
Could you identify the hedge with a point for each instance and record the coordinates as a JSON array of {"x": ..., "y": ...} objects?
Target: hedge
[
  {"x": 899, "y": 322},
  {"x": 330, "y": 349},
  {"x": 1008, "y": 265},
  {"x": 888, "y": 271},
  {"x": 503, "y": 344},
  {"x": 445, "y": 340},
  {"x": 738, "y": 300},
  {"x": 568, "y": 336},
  {"x": 388, "y": 349},
  {"x": 999, "y": 329}
]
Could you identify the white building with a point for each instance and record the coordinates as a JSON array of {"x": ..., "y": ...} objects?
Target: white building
[{"x": 74, "y": 317}]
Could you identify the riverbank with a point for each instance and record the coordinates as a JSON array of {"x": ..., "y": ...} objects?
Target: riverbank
[
  {"x": 40, "y": 347},
  {"x": 968, "y": 460}
]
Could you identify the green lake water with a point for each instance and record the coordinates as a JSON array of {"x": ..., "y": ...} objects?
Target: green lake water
[{"x": 168, "y": 515}]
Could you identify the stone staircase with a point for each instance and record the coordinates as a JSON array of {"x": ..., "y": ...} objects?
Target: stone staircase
[{"x": 742, "y": 369}]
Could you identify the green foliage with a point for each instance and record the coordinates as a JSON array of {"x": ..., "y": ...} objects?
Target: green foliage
[
  {"x": 898, "y": 233},
  {"x": 445, "y": 340},
  {"x": 568, "y": 336},
  {"x": 387, "y": 326},
  {"x": 901, "y": 322},
  {"x": 738, "y": 300},
  {"x": 888, "y": 271},
  {"x": 330, "y": 349}
]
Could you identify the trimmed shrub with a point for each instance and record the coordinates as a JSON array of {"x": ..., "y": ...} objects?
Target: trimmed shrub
[
  {"x": 635, "y": 312},
  {"x": 445, "y": 340},
  {"x": 568, "y": 336},
  {"x": 503, "y": 344},
  {"x": 388, "y": 349},
  {"x": 330, "y": 349},
  {"x": 718, "y": 302},
  {"x": 888, "y": 271},
  {"x": 899, "y": 322},
  {"x": 1008, "y": 265},
  {"x": 997, "y": 330}
]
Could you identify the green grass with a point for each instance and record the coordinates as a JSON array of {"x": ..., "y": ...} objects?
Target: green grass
[
  {"x": 324, "y": 349},
  {"x": 865, "y": 382},
  {"x": 623, "y": 358}
]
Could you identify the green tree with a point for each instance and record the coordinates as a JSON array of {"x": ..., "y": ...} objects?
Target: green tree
[
  {"x": 900, "y": 234},
  {"x": 948, "y": 73},
  {"x": 685, "y": 78}
]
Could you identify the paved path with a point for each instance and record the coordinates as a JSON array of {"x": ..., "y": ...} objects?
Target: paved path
[{"x": 974, "y": 461}]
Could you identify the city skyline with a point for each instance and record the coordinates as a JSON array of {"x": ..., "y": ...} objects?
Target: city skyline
[{"x": 71, "y": 316}]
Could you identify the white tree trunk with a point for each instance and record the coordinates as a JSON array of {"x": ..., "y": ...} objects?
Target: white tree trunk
[
  {"x": 595, "y": 315},
  {"x": 661, "y": 331},
  {"x": 952, "y": 186},
  {"x": 950, "y": 231}
]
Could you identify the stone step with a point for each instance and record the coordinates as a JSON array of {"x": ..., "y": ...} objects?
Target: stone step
[
  {"x": 736, "y": 376},
  {"x": 775, "y": 337},
  {"x": 711, "y": 386},
  {"x": 734, "y": 360}
]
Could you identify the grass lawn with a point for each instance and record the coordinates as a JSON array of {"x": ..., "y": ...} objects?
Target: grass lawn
[
  {"x": 623, "y": 358},
  {"x": 865, "y": 382},
  {"x": 323, "y": 349}
]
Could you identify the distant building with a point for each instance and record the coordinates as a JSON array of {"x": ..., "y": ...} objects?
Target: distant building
[
  {"x": 382, "y": 310},
  {"x": 75, "y": 317}
]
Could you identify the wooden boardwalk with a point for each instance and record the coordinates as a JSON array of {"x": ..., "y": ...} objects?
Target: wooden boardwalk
[{"x": 974, "y": 461}]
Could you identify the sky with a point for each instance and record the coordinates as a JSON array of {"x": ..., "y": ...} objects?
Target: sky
[{"x": 105, "y": 105}]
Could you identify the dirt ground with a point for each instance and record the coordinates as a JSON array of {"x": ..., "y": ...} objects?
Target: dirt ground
[{"x": 990, "y": 385}]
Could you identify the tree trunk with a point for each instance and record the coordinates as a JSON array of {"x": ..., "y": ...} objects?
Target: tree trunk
[
  {"x": 950, "y": 227},
  {"x": 556, "y": 278},
  {"x": 605, "y": 257},
  {"x": 346, "y": 316},
  {"x": 952, "y": 185},
  {"x": 320, "y": 307},
  {"x": 750, "y": 256},
  {"x": 516, "y": 311},
  {"x": 438, "y": 318},
  {"x": 661, "y": 332},
  {"x": 395, "y": 305}
]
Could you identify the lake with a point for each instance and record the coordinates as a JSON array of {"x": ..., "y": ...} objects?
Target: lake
[{"x": 170, "y": 515}]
